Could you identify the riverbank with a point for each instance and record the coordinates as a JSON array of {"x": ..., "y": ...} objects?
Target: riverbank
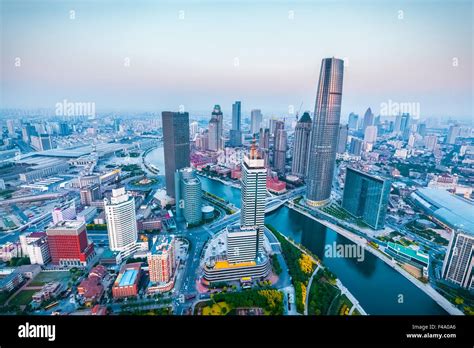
[
  {"x": 319, "y": 266},
  {"x": 426, "y": 288},
  {"x": 222, "y": 181}
]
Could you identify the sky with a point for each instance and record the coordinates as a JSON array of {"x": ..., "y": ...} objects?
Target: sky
[{"x": 158, "y": 55}]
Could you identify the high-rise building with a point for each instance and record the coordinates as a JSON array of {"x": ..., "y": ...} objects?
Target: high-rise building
[
  {"x": 279, "y": 150},
  {"x": 194, "y": 129},
  {"x": 342, "y": 138},
  {"x": 322, "y": 149},
  {"x": 370, "y": 134},
  {"x": 188, "y": 196},
  {"x": 68, "y": 244},
  {"x": 121, "y": 222},
  {"x": 458, "y": 266},
  {"x": 161, "y": 259},
  {"x": 353, "y": 121},
  {"x": 117, "y": 125},
  {"x": 366, "y": 196},
  {"x": 11, "y": 127},
  {"x": 175, "y": 145},
  {"x": 368, "y": 119},
  {"x": 254, "y": 192},
  {"x": 422, "y": 129},
  {"x": 242, "y": 244},
  {"x": 398, "y": 123},
  {"x": 453, "y": 133},
  {"x": 27, "y": 131},
  {"x": 256, "y": 120},
  {"x": 41, "y": 142},
  {"x": 404, "y": 122},
  {"x": 265, "y": 145},
  {"x": 301, "y": 145},
  {"x": 216, "y": 129},
  {"x": 235, "y": 132}
]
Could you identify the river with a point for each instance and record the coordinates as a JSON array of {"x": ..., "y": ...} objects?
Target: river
[{"x": 379, "y": 288}]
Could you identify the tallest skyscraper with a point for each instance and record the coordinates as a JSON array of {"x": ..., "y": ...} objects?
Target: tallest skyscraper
[{"x": 324, "y": 132}]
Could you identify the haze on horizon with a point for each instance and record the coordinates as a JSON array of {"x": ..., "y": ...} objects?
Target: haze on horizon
[{"x": 266, "y": 54}]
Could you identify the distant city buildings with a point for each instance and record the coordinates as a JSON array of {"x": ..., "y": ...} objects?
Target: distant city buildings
[
  {"x": 368, "y": 119},
  {"x": 322, "y": 149},
  {"x": 366, "y": 197},
  {"x": 280, "y": 145},
  {"x": 216, "y": 131},
  {"x": 353, "y": 121},
  {"x": 370, "y": 134},
  {"x": 175, "y": 145},
  {"x": 235, "y": 132}
]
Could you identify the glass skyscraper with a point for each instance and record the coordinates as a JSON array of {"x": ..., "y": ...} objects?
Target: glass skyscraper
[
  {"x": 324, "y": 133},
  {"x": 175, "y": 145},
  {"x": 366, "y": 197}
]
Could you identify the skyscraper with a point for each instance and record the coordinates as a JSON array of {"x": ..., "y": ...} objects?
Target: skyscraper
[
  {"x": 216, "y": 142},
  {"x": 322, "y": 149},
  {"x": 404, "y": 122},
  {"x": 254, "y": 192},
  {"x": 256, "y": 120},
  {"x": 366, "y": 197},
  {"x": 355, "y": 147},
  {"x": 175, "y": 145},
  {"x": 300, "y": 145},
  {"x": 279, "y": 153},
  {"x": 265, "y": 145},
  {"x": 342, "y": 138},
  {"x": 235, "y": 133},
  {"x": 188, "y": 196},
  {"x": 368, "y": 119},
  {"x": 121, "y": 222}
]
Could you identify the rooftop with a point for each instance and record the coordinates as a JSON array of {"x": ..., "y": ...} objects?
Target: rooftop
[
  {"x": 128, "y": 277},
  {"x": 409, "y": 252}
]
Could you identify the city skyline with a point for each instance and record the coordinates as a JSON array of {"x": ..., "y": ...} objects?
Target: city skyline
[{"x": 139, "y": 76}]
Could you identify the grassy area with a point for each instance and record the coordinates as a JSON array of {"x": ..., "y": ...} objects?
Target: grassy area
[
  {"x": 22, "y": 298},
  {"x": 46, "y": 277},
  {"x": 323, "y": 294},
  {"x": 341, "y": 305},
  {"x": 219, "y": 308},
  {"x": 270, "y": 300},
  {"x": 336, "y": 211},
  {"x": 300, "y": 267}
]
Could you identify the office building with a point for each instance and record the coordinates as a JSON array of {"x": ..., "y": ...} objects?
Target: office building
[
  {"x": 161, "y": 260},
  {"x": 322, "y": 149},
  {"x": 175, "y": 145},
  {"x": 216, "y": 125},
  {"x": 256, "y": 119},
  {"x": 241, "y": 244},
  {"x": 68, "y": 244},
  {"x": 188, "y": 196},
  {"x": 301, "y": 145},
  {"x": 90, "y": 194},
  {"x": 342, "y": 138},
  {"x": 254, "y": 192},
  {"x": 61, "y": 214},
  {"x": 264, "y": 145},
  {"x": 235, "y": 132},
  {"x": 366, "y": 197},
  {"x": 355, "y": 147},
  {"x": 404, "y": 122},
  {"x": 279, "y": 150},
  {"x": 121, "y": 222},
  {"x": 458, "y": 266},
  {"x": 194, "y": 129},
  {"x": 370, "y": 134}
]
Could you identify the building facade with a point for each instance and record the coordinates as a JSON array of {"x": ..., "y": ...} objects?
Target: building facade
[
  {"x": 301, "y": 145},
  {"x": 366, "y": 196}
]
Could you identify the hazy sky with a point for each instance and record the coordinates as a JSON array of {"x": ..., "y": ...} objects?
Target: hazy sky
[{"x": 185, "y": 53}]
